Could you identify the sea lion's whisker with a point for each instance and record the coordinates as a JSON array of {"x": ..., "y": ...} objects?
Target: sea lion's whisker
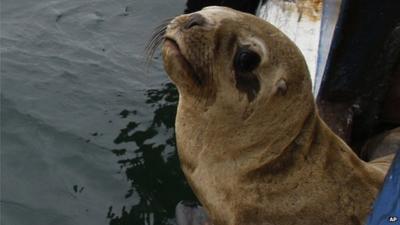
[
  {"x": 153, "y": 43},
  {"x": 152, "y": 48},
  {"x": 156, "y": 39}
]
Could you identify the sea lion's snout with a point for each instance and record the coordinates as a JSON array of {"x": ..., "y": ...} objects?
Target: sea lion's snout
[{"x": 188, "y": 54}]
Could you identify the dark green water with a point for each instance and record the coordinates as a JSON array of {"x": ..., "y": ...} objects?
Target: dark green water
[{"x": 86, "y": 133}]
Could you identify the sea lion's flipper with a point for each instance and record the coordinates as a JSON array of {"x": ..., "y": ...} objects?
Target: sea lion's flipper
[
  {"x": 380, "y": 150},
  {"x": 383, "y": 163},
  {"x": 190, "y": 213}
]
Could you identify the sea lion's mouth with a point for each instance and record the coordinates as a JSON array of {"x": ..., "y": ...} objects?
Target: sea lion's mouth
[
  {"x": 173, "y": 47},
  {"x": 173, "y": 50}
]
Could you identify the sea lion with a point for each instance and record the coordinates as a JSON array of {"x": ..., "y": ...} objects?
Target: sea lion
[
  {"x": 382, "y": 144},
  {"x": 249, "y": 137}
]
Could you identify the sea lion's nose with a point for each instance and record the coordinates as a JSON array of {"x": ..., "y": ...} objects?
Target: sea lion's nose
[{"x": 194, "y": 20}]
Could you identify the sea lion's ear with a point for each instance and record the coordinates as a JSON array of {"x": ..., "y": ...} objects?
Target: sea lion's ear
[{"x": 281, "y": 87}]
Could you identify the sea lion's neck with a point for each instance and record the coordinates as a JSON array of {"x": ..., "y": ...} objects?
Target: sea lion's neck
[
  {"x": 345, "y": 179},
  {"x": 318, "y": 164},
  {"x": 223, "y": 135},
  {"x": 306, "y": 159}
]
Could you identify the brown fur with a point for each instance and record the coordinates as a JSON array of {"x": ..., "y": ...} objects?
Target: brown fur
[{"x": 271, "y": 160}]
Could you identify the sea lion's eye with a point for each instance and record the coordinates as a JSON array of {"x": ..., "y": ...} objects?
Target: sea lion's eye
[{"x": 246, "y": 60}]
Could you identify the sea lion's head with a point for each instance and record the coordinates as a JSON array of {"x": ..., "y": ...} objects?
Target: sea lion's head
[
  {"x": 236, "y": 70},
  {"x": 220, "y": 57}
]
